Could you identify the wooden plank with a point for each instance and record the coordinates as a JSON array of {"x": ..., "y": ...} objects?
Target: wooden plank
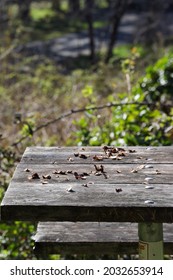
[
  {"x": 63, "y": 155},
  {"x": 96, "y": 149},
  {"x": 155, "y": 169},
  {"x": 102, "y": 202},
  {"x": 86, "y": 237},
  {"x": 133, "y": 174}
]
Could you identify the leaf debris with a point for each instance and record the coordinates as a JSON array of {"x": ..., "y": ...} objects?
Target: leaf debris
[
  {"x": 85, "y": 185},
  {"x": 81, "y": 155},
  {"x": 61, "y": 172},
  {"x": 46, "y": 176},
  {"x": 27, "y": 170},
  {"x": 118, "y": 190},
  {"x": 34, "y": 176},
  {"x": 100, "y": 170},
  {"x": 81, "y": 176},
  {"x": 70, "y": 190}
]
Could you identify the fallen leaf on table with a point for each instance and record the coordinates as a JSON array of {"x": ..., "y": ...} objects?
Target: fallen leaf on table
[
  {"x": 132, "y": 151},
  {"x": 118, "y": 190},
  {"x": 99, "y": 168},
  {"x": 98, "y": 158},
  {"x": 61, "y": 172},
  {"x": 80, "y": 176},
  {"x": 34, "y": 176},
  {"x": 70, "y": 190},
  {"x": 46, "y": 176},
  {"x": 85, "y": 185},
  {"x": 27, "y": 170},
  {"x": 83, "y": 156}
]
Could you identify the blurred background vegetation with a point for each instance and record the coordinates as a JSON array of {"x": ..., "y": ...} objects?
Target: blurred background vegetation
[{"x": 81, "y": 73}]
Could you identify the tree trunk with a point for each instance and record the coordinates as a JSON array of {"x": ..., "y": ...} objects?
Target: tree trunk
[
  {"x": 24, "y": 10},
  {"x": 119, "y": 9},
  {"x": 56, "y": 5},
  {"x": 152, "y": 29},
  {"x": 74, "y": 6},
  {"x": 3, "y": 15},
  {"x": 89, "y": 19}
]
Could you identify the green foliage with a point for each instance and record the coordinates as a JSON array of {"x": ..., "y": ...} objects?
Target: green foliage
[
  {"x": 157, "y": 85},
  {"x": 7, "y": 158},
  {"x": 135, "y": 124},
  {"x": 15, "y": 240},
  {"x": 125, "y": 125},
  {"x": 41, "y": 12}
]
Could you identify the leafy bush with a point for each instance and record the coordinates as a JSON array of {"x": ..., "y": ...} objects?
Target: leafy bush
[
  {"x": 157, "y": 85},
  {"x": 15, "y": 240},
  {"x": 135, "y": 124}
]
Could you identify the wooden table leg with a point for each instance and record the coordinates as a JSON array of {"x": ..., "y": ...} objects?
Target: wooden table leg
[{"x": 150, "y": 241}]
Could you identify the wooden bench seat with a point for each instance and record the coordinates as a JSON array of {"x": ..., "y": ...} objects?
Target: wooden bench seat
[{"x": 92, "y": 238}]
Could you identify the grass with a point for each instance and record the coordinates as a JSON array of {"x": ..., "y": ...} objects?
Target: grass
[{"x": 39, "y": 13}]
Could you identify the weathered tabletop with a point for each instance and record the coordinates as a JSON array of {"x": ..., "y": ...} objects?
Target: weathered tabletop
[{"x": 131, "y": 184}]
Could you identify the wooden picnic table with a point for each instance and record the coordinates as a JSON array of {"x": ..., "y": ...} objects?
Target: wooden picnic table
[{"x": 103, "y": 184}]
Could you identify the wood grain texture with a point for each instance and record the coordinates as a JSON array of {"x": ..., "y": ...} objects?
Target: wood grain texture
[
  {"x": 40, "y": 155},
  {"x": 134, "y": 188},
  {"x": 87, "y": 237}
]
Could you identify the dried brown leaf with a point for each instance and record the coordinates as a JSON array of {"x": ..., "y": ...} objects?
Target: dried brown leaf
[
  {"x": 76, "y": 154},
  {"x": 35, "y": 176},
  {"x": 83, "y": 156},
  {"x": 61, "y": 172},
  {"x": 85, "y": 185},
  {"x": 119, "y": 190},
  {"x": 99, "y": 168},
  {"x": 98, "y": 158},
  {"x": 27, "y": 170},
  {"x": 70, "y": 190},
  {"x": 46, "y": 176},
  {"x": 80, "y": 176},
  {"x": 132, "y": 151}
]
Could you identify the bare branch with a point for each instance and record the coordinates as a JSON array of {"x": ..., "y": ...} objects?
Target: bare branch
[
  {"x": 7, "y": 52},
  {"x": 81, "y": 110}
]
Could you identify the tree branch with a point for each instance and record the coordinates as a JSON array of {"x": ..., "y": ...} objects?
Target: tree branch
[
  {"x": 81, "y": 110},
  {"x": 7, "y": 52}
]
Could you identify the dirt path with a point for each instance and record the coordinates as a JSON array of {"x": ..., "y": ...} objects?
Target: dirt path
[{"x": 76, "y": 44}]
